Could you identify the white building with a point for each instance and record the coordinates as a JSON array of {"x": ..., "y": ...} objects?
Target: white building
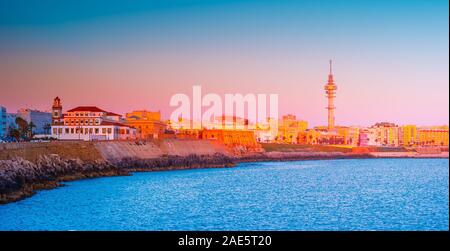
[
  {"x": 88, "y": 123},
  {"x": 383, "y": 134}
]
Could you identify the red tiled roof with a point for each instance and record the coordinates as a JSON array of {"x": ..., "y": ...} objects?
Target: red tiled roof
[{"x": 86, "y": 109}]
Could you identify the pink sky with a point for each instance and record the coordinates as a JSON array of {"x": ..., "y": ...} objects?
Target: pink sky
[
  {"x": 391, "y": 60},
  {"x": 364, "y": 95}
]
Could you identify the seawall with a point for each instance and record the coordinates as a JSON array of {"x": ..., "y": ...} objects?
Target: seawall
[
  {"x": 119, "y": 150},
  {"x": 112, "y": 151}
]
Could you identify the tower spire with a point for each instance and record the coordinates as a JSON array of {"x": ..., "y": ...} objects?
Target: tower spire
[
  {"x": 331, "y": 64},
  {"x": 330, "y": 90}
]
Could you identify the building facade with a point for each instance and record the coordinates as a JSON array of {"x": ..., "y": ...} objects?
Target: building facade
[
  {"x": 407, "y": 135},
  {"x": 384, "y": 134},
  {"x": 433, "y": 136},
  {"x": 289, "y": 128},
  {"x": 148, "y": 124},
  {"x": 3, "y": 123},
  {"x": 349, "y": 134},
  {"x": 41, "y": 120},
  {"x": 363, "y": 139},
  {"x": 88, "y": 123}
]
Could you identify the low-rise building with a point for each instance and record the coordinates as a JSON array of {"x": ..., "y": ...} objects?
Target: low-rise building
[
  {"x": 384, "y": 134},
  {"x": 350, "y": 134},
  {"x": 88, "y": 123},
  {"x": 363, "y": 137},
  {"x": 319, "y": 136},
  {"x": 289, "y": 128},
  {"x": 433, "y": 136},
  {"x": 407, "y": 135},
  {"x": 148, "y": 124}
]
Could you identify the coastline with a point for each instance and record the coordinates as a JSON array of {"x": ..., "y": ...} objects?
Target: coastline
[{"x": 20, "y": 178}]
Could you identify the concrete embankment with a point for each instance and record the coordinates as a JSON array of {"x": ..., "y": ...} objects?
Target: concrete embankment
[
  {"x": 119, "y": 150},
  {"x": 409, "y": 155},
  {"x": 294, "y": 156}
]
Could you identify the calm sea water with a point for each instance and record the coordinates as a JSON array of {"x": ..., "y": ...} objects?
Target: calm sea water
[{"x": 372, "y": 194}]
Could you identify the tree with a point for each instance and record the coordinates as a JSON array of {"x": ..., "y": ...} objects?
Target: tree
[
  {"x": 23, "y": 127},
  {"x": 47, "y": 128},
  {"x": 31, "y": 125},
  {"x": 15, "y": 133}
]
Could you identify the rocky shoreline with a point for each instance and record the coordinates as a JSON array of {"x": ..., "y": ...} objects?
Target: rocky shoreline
[
  {"x": 20, "y": 178},
  {"x": 296, "y": 156}
]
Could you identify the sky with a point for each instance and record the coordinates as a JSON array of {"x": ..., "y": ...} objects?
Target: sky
[{"x": 390, "y": 58}]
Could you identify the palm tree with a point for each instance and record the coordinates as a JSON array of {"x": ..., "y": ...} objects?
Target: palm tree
[
  {"x": 31, "y": 125},
  {"x": 15, "y": 133},
  {"x": 47, "y": 128},
  {"x": 22, "y": 127}
]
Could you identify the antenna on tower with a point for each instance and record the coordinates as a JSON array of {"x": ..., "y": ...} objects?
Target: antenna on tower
[{"x": 331, "y": 62}]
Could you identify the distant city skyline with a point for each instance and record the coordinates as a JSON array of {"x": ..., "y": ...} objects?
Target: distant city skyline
[{"x": 390, "y": 58}]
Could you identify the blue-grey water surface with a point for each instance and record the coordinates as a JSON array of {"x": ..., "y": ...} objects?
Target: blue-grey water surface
[{"x": 360, "y": 194}]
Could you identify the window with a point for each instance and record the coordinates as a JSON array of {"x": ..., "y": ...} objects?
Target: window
[
  {"x": 54, "y": 130},
  {"x": 104, "y": 130},
  {"x": 86, "y": 131},
  {"x": 96, "y": 130},
  {"x": 71, "y": 131},
  {"x": 67, "y": 131},
  {"x": 90, "y": 130},
  {"x": 109, "y": 130}
]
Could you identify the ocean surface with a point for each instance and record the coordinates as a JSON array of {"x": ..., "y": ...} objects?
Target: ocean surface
[{"x": 359, "y": 194}]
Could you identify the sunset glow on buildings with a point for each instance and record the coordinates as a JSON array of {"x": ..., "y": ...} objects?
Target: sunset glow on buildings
[
  {"x": 131, "y": 61},
  {"x": 88, "y": 123}
]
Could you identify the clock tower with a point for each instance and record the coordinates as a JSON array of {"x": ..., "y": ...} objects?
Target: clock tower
[{"x": 57, "y": 118}]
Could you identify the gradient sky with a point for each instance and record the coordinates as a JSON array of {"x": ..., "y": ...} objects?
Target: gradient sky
[{"x": 391, "y": 58}]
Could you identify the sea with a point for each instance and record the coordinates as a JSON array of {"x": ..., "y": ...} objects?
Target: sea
[{"x": 324, "y": 195}]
